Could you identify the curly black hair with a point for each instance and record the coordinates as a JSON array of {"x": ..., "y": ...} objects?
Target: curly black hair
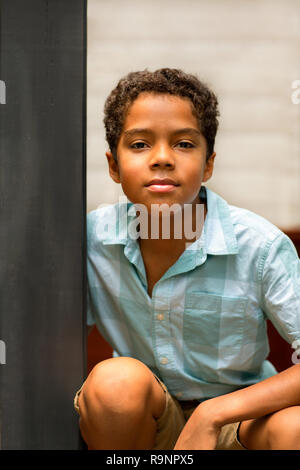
[{"x": 166, "y": 81}]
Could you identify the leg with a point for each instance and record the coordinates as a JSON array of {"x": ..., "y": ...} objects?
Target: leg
[
  {"x": 277, "y": 431},
  {"x": 119, "y": 405}
]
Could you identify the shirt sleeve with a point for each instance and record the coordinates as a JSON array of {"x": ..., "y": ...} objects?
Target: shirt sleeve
[{"x": 281, "y": 288}]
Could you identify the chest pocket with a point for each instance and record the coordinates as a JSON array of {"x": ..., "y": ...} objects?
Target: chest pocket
[{"x": 213, "y": 328}]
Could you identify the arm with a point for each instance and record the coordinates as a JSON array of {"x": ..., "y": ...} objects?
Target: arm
[
  {"x": 272, "y": 394},
  {"x": 279, "y": 276}
]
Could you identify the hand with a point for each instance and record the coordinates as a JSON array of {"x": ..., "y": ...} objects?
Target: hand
[{"x": 201, "y": 431}]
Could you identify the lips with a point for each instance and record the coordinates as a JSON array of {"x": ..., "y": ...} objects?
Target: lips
[
  {"x": 161, "y": 185},
  {"x": 162, "y": 182}
]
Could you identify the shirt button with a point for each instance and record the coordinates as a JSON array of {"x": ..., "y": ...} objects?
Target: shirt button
[
  {"x": 164, "y": 360},
  {"x": 160, "y": 316}
]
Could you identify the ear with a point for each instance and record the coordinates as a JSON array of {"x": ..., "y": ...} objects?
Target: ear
[
  {"x": 113, "y": 167},
  {"x": 209, "y": 167}
]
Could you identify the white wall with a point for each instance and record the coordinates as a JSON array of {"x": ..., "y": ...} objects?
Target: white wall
[{"x": 248, "y": 51}]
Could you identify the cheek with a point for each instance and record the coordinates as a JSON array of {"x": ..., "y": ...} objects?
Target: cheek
[
  {"x": 126, "y": 168},
  {"x": 129, "y": 176},
  {"x": 195, "y": 175},
  {"x": 130, "y": 180}
]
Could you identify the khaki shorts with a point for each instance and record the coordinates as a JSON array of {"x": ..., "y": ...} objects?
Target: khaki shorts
[{"x": 173, "y": 419}]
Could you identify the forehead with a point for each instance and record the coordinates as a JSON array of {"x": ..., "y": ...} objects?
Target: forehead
[{"x": 156, "y": 109}]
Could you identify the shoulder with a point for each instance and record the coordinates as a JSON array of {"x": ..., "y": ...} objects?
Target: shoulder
[
  {"x": 101, "y": 213},
  {"x": 241, "y": 227},
  {"x": 254, "y": 225},
  {"x": 256, "y": 234},
  {"x": 259, "y": 240},
  {"x": 101, "y": 223},
  {"x": 108, "y": 224}
]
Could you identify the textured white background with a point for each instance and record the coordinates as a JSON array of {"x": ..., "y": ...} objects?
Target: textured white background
[{"x": 248, "y": 51}]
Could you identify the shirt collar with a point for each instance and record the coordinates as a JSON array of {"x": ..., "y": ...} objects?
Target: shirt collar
[
  {"x": 219, "y": 231},
  {"x": 218, "y": 236}
]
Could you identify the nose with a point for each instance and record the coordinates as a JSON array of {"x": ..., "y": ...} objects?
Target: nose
[{"x": 162, "y": 156}]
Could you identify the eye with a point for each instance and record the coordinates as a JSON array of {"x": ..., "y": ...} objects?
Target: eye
[
  {"x": 138, "y": 145},
  {"x": 186, "y": 145}
]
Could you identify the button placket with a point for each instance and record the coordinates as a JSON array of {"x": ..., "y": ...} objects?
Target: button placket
[{"x": 161, "y": 327}]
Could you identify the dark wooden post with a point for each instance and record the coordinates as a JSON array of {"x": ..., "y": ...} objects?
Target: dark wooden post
[{"x": 42, "y": 221}]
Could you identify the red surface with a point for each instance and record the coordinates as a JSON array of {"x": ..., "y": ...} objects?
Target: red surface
[
  {"x": 280, "y": 351},
  {"x": 98, "y": 349}
]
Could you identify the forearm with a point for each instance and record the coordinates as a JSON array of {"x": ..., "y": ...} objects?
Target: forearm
[{"x": 268, "y": 396}]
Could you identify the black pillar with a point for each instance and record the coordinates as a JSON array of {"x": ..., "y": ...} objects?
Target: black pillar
[{"x": 42, "y": 221}]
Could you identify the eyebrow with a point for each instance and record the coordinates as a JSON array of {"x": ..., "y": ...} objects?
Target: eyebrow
[{"x": 185, "y": 130}]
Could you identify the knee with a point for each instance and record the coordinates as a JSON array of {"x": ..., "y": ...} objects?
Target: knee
[
  {"x": 284, "y": 429},
  {"x": 116, "y": 385}
]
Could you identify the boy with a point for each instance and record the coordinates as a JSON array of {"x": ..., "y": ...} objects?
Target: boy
[{"x": 184, "y": 315}]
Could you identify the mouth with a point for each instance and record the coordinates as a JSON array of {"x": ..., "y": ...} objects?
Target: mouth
[{"x": 162, "y": 185}]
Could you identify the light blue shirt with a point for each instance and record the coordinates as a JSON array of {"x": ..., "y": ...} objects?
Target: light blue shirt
[{"x": 203, "y": 331}]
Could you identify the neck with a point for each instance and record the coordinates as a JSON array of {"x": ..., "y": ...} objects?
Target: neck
[{"x": 169, "y": 231}]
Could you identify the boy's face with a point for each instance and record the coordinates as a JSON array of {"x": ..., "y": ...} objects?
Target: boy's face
[{"x": 161, "y": 152}]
